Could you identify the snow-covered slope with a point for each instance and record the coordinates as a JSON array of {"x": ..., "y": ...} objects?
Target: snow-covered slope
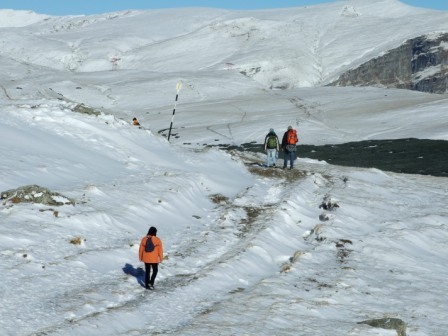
[
  {"x": 13, "y": 18},
  {"x": 295, "y": 47},
  {"x": 128, "y": 64},
  {"x": 245, "y": 252},
  {"x": 249, "y": 250}
]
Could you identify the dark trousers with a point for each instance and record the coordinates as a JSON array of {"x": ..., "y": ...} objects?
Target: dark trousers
[
  {"x": 289, "y": 156},
  {"x": 155, "y": 269}
]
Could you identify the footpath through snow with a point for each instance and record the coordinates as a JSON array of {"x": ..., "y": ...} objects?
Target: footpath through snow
[{"x": 247, "y": 248}]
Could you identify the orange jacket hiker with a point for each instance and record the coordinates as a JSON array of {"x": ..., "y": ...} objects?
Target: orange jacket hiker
[
  {"x": 153, "y": 257},
  {"x": 135, "y": 122}
]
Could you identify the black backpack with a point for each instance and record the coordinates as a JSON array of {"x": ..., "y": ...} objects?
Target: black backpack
[{"x": 149, "y": 247}]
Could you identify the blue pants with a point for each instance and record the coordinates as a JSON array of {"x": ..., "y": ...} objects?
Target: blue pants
[
  {"x": 271, "y": 157},
  {"x": 289, "y": 156}
]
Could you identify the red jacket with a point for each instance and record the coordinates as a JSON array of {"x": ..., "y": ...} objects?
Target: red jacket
[{"x": 153, "y": 257}]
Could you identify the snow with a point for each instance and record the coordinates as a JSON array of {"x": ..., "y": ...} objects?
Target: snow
[
  {"x": 246, "y": 253},
  {"x": 18, "y": 18}
]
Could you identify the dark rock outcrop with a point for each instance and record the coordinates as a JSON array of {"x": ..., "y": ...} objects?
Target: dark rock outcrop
[
  {"x": 419, "y": 64},
  {"x": 388, "y": 323},
  {"x": 35, "y": 194}
]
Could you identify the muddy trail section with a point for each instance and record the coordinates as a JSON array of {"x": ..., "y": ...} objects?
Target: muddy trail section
[{"x": 409, "y": 156}]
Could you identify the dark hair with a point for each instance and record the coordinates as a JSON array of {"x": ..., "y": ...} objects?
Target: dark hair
[{"x": 152, "y": 231}]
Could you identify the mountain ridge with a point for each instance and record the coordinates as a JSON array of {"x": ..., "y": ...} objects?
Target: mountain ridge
[{"x": 280, "y": 49}]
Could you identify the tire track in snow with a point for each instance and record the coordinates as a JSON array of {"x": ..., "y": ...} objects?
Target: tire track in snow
[
  {"x": 230, "y": 137},
  {"x": 5, "y": 92}
]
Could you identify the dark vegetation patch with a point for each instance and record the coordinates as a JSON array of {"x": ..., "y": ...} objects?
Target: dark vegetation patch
[
  {"x": 219, "y": 199},
  {"x": 409, "y": 156},
  {"x": 319, "y": 285},
  {"x": 76, "y": 240}
]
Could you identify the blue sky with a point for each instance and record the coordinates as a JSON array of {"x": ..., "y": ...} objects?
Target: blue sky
[{"x": 76, "y": 7}]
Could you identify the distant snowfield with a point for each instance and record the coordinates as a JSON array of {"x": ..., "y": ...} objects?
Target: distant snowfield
[
  {"x": 249, "y": 250},
  {"x": 14, "y": 18}
]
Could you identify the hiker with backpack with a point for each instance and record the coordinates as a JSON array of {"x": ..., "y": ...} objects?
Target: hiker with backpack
[
  {"x": 271, "y": 146},
  {"x": 289, "y": 142},
  {"x": 135, "y": 122},
  {"x": 151, "y": 253}
]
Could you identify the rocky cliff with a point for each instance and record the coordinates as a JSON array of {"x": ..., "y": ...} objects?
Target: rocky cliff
[{"x": 418, "y": 64}]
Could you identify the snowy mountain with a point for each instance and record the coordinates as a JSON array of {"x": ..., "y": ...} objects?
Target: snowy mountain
[
  {"x": 318, "y": 250},
  {"x": 285, "y": 48}
]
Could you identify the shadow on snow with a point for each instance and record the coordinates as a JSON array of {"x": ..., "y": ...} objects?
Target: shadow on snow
[{"x": 138, "y": 273}]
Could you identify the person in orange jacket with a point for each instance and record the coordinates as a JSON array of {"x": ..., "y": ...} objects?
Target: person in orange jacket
[
  {"x": 289, "y": 142},
  {"x": 151, "y": 259},
  {"x": 135, "y": 122}
]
